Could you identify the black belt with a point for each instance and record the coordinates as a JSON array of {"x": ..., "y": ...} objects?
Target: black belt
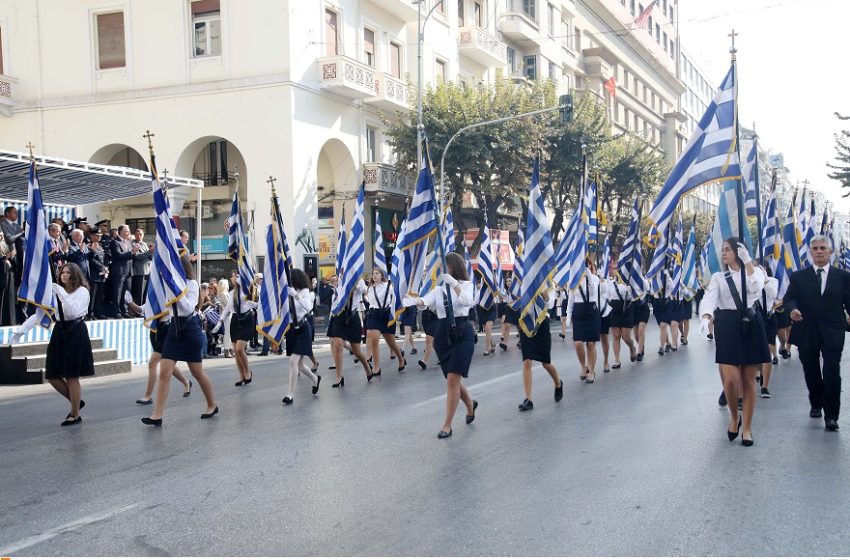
[{"x": 72, "y": 322}]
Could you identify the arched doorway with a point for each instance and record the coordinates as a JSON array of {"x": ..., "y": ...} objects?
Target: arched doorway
[
  {"x": 120, "y": 155},
  {"x": 336, "y": 188}
]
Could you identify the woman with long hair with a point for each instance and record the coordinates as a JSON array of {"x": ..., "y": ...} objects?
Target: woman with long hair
[
  {"x": 345, "y": 328},
  {"x": 583, "y": 311},
  {"x": 666, "y": 310},
  {"x": 239, "y": 316},
  {"x": 538, "y": 348},
  {"x": 622, "y": 315},
  {"x": 740, "y": 342},
  {"x": 486, "y": 316},
  {"x": 69, "y": 353},
  {"x": 184, "y": 343},
  {"x": 381, "y": 301},
  {"x": 454, "y": 346},
  {"x": 299, "y": 337}
]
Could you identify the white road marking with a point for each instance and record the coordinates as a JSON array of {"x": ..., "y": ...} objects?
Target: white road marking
[{"x": 472, "y": 387}]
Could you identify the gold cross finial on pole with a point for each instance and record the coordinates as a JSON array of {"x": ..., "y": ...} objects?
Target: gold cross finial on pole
[
  {"x": 271, "y": 181},
  {"x": 148, "y": 135},
  {"x": 733, "y": 34},
  {"x": 30, "y": 148}
]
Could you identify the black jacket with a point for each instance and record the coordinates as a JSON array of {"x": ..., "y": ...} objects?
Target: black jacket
[{"x": 824, "y": 318}]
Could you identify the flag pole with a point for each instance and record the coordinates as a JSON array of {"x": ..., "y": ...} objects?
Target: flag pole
[
  {"x": 426, "y": 153},
  {"x": 758, "y": 196},
  {"x": 739, "y": 192}
]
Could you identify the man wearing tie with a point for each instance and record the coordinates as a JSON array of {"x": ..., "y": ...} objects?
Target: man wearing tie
[
  {"x": 818, "y": 297},
  {"x": 141, "y": 267},
  {"x": 120, "y": 268}
]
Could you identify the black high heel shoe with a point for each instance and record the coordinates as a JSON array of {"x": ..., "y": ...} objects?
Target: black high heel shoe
[
  {"x": 747, "y": 442},
  {"x": 250, "y": 379},
  {"x": 470, "y": 418},
  {"x": 206, "y": 415},
  {"x": 661, "y": 351},
  {"x": 152, "y": 422},
  {"x": 189, "y": 392},
  {"x": 340, "y": 383},
  {"x": 402, "y": 366},
  {"x": 733, "y": 435},
  {"x": 422, "y": 364},
  {"x": 316, "y": 387},
  {"x": 376, "y": 373}
]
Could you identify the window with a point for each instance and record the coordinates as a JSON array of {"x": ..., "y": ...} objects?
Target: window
[
  {"x": 441, "y": 7},
  {"x": 649, "y": 27},
  {"x": 528, "y": 8},
  {"x": 553, "y": 71},
  {"x": 110, "y": 41},
  {"x": 442, "y": 72},
  {"x": 460, "y": 22},
  {"x": 331, "y": 33},
  {"x": 552, "y": 20},
  {"x": 206, "y": 28},
  {"x": 479, "y": 14},
  {"x": 395, "y": 60},
  {"x": 637, "y": 123},
  {"x": 664, "y": 42},
  {"x": 632, "y": 7},
  {"x": 657, "y": 33},
  {"x": 511, "y": 59},
  {"x": 530, "y": 67},
  {"x": 369, "y": 47},
  {"x": 578, "y": 39},
  {"x": 371, "y": 144}
]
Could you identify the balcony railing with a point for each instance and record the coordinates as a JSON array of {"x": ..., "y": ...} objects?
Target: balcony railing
[
  {"x": 481, "y": 46},
  {"x": 347, "y": 76},
  {"x": 7, "y": 95},
  {"x": 517, "y": 26},
  {"x": 390, "y": 93},
  {"x": 383, "y": 178}
]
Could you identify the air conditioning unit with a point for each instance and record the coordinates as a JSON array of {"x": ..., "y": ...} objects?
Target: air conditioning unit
[{"x": 206, "y": 211}]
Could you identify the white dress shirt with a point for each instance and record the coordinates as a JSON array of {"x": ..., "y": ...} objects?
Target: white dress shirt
[
  {"x": 303, "y": 299},
  {"x": 460, "y": 303},
  {"x": 378, "y": 294},
  {"x": 588, "y": 289},
  {"x": 769, "y": 293},
  {"x": 186, "y": 305},
  {"x": 75, "y": 305},
  {"x": 718, "y": 296},
  {"x": 245, "y": 305}
]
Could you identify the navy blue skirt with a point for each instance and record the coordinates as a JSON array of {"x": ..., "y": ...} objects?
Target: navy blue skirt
[
  {"x": 539, "y": 347},
  {"x": 783, "y": 319},
  {"x": 429, "y": 322},
  {"x": 455, "y": 356},
  {"x": 299, "y": 340},
  {"x": 665, "y": 310},
  {"x": 622, "y": 316},
  {"x": 69, "y": 352},
  {"x": 587, "y": 323},
  {"x": 243, "y": 327},
  {"x": 770, "y": 328},
  {"x": 408, "y": 318},
  {"x": 732, "y": 347},
  {"x": 485, "y": 315},
  {"x": 377, "y": 319},
  {"x": 186, "y": 343},
  {"x": 346, "y": 326},
  {"x": 511, "y": 316},
  {"x": 641, "y": 312},
  {"x": 158, "y": 338},
  {"x": 687, "y": 309}
]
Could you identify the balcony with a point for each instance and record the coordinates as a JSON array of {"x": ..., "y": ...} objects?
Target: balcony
[
  {"x": 475, "y": 43},
  {"x": 7, "y": 97},
  {"x": 404, "y": 10},
  {"x": 384, "y": 179},
  {"x": 519, "y": 27},
  {"x": 347, "y": 77},
  {"x": 390, "y": 93}
]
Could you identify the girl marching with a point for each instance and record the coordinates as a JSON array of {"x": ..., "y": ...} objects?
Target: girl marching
[
  {"x": 299, "y": 336},
  {"x": 381, "y": 300},
  {"x": 583, "y": 310}
]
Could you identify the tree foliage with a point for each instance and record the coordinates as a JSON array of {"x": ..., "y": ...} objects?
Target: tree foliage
[{"x": 841, "y": 167}]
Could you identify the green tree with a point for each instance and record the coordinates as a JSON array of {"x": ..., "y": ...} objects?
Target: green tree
[{"x": 841, "y": 168}]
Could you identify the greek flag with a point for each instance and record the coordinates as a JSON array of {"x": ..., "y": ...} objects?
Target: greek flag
[
  {"x": 516, "y": 285},
  {"x": 751, "y": 170},
  {"x": 571, "y": 260},
  {"x": 770, "y": 234},
  {"x": 380, "y": 258},
  {"x": 791, "y": 243},
  {"x": 710, "y": 155},
  {"x": 808, "y": 234},
  {"x": 782, "y": 272},
  {"x": 36, "y": 283},
  {"x": 591, "y": 215},
  {"x": 487, "y": 286},
  {"x": 802, "y": 232},
  {"x": 725, "y": 226},
  {"x": 448, "y": 230},
  {"x": 659, "y": 263},
  {"x": 166, "y": 268},
  {"x": 538, "y": 260},
  {"x": 353, "y": 261},
  {"x": 629, "y": 262},
  {"x": 676, "y": 258},
  {"x": 606, "y": 257},
  {"x": 273, "y": 309},
  {"x": 703, "y": 273},
  {"x": 237, "y": 253},
  {"x": 341, "y": 241},
  {"x": 845, "y": 259},
  {"x": 689, "y": 264}
]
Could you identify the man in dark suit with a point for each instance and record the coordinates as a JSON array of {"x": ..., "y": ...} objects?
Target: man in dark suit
[
  {"x": 78, "y": 252},
  {"x": 818, "y": 297},
  {"x": 141, "y": 266},
  {"x": 122, "y": 253}
]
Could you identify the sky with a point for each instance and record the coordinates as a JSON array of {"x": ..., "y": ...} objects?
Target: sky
[{"x": 792, "y": 74}]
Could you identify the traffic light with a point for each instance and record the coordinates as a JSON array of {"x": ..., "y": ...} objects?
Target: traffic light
[{"x": 566, "y": 108}]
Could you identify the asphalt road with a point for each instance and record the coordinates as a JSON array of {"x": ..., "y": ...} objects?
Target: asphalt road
[{"x": 636, "y": 464}]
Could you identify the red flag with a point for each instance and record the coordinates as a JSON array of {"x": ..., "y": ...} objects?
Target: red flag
[{"x": 611, "y": 86}]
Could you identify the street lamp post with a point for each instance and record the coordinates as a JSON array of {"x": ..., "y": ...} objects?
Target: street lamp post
[{"x": 420, "y": 35}]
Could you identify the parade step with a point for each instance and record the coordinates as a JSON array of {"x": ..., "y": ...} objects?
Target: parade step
[
  {"x": 36, "y": 376},
  {"x": 39, "y": 361},
  {"x": 23, "y": 364},
  {"x": 38, "y": 348}
]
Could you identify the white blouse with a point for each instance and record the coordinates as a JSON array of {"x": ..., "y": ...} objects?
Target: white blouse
[
  {"x": 303, "y": 299},
  {"x": 718, "y": 296},
  {"x": 460, "y": 303},
  {"x": 588, "y": 289},
  {"x": 186, "y": 305},
  {"x": 75, "y": 305},
  {"x": 618, "y": 292},
  {"x": 768, "y": 297},
  {"x": 377, "y": 294},
  {"x": 245, "y": 305}
]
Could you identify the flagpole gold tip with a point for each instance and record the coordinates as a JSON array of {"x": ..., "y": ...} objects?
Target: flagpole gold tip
[
  {"x": 148, "y": 135},
  {"x": 30, "y": 147}
]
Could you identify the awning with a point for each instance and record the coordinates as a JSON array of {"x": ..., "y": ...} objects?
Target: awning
[{"x": 75, "y": 183}]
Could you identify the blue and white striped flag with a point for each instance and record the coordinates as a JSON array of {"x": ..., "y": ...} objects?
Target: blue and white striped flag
[
  {"x": 237, "y": 252},
  {"x": 750, "y": 176},
  {"x": 629, "y": 262},
  {"x": 591, "y": 215},
  {"x": 571, "y": 260},
  {"x": 516, "y": 284},
  {"x": 790, "y": 245},
  {"x": 675, "y": 251},
  {"x": 808, "y": 234},
  {"x": 782, "y": 272},
  {"x": 606, "y": 257},
  {"x": 36, "y": 282},
  {"x": 710, "y": 155},
  {"x": 538, "y": 260},
  {"x": 703, "y": 272},
  {"x": 802, "y": 225},
  {"x": 448, "y": 230},
  {"x": 771, "y": 240},
  {"x": 689, "y": 264},
  {"x": 725, "y": 226},
  {"x": 487, "y": 286},
  {"x": 353, "y": 261},
  {"x": 273, "y": 310},
  {"x": 166, "y": 268},
  {"x": 379, "y": 260},
  {"x": 341, "y": 242}
]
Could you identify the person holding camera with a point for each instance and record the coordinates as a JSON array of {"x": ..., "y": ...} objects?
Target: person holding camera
[
  {"x": 299, "y": 337},
  {"x": 818, "y": 298},
  {"x": 454, "y": 346},
  {"x": 732, "y": 300},
  {"x": 583, "y": 310}
]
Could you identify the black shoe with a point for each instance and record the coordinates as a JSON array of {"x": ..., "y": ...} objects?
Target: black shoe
[
  {"x": 710, "y": 336},
  {"x": 674, "y": 348},
  {"x": 616, "y": 366},
  {"x": 526, "y": 405},
  {"x": 413, "y": 351},
  {"x": 684, "y": 342},
  {"x": 250, "y": 379},
  {"x": 443, "y": 435},
  {"x": 562, "y": 335},
  {"x": 667, "y": 348},
  {"x": 316, "y": 387},
  {"x": 189, "y": 392},
  {"x": 331, "y": 367},
  {"x": 775, "y": 360},
  {"x": 206, "y": 415},
  {"x": 639, "y": 357},
  {"x": 503, "y": 346},
  {"x": 142, "y": 401},
  {"x": 661, "y": 351},
  {"x": 747, "y": 442},
  {"x": 402, "y": 366},
  {"x": 376, "y": 373},
  {"x": 733, "y": 435},
  {"x": 239, "y": 383},
  {"x": 263, "y": 354},
  {"x": 286, "y": 400},
  {"x": 559, "y": 392},
  {"x": 831, "y": 425},
  {"x": 721, "y": 402},
  {"x": 815, "y": 413},
  {"x": 470, "y": 418},
  {"x": 765, "y": 394},
  {"x": 340, "y": 383},
  {"x": 422, "y": 364},
  {"x": 152, "y": 422},
  {"x": 82, "y": 404},
  {"x": 70, "y": 421}
]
